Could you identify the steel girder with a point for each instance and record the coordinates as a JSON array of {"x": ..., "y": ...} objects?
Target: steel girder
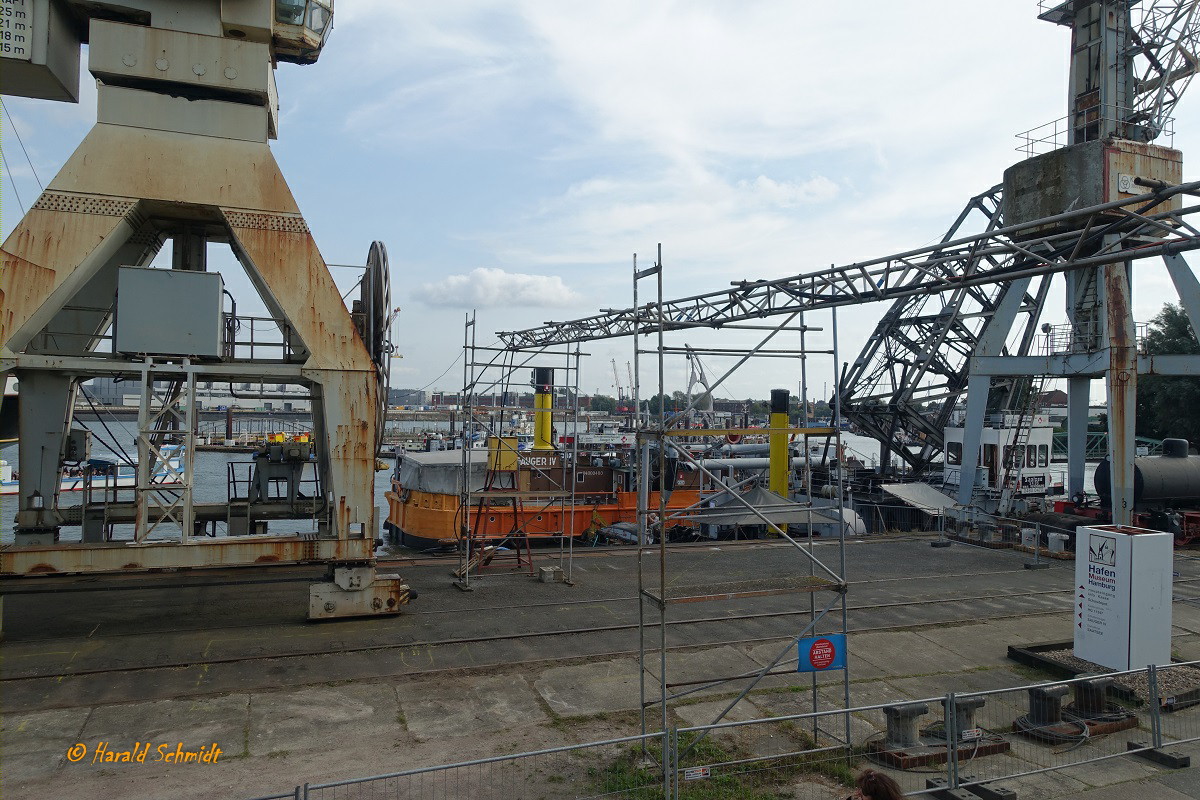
[
  {"x": 918, "y": 354},
  {"x": 971, "y": 261},
  {"x": 944, "y": 295}
]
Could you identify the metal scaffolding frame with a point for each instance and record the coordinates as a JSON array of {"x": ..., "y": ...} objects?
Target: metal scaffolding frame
[
  {"x": 660, "y": 433},
  {"x": 166, "y": 410},
  {"x": 487, "y": 370}
]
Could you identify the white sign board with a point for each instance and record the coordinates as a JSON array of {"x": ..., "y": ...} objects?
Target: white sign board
[
  {"x": 1123, "y": 596},
  {"x": 16, "y": 29},
  {"x": 618, "y": 439}
]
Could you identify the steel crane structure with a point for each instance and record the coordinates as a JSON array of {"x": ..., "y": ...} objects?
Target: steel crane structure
[
  {"x": 696, "y": 375},
  {"x": 187, "y": 104},
  {"x": 965, "y": 310}
]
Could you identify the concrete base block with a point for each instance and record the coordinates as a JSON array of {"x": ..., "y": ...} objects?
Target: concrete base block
[
  {"x": 939, "y": 790},
  {"x": 988, "y": 791},
  {"x": 1168, "y": 758}
]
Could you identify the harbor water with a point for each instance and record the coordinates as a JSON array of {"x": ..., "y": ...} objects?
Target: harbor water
[{"x": 212, "y": 470}]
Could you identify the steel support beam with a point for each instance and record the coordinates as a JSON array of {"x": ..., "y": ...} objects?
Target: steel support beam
[
  {"x": 977, "y": 393},
  {"x": 1121, "y": 383},
  {"x": 1083, "y": 365},
  {"x": 47, "y": 404},
  {"x": 1187, "y": 287},
  {"x": 996, "y": 255},
  {"x": 1078, "y": 399},
  {"x": 228, "y": 551}
]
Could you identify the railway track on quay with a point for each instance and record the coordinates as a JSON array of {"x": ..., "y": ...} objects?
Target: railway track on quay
[
  {"x": 673, "y": 624},
  {"x": 247, "y": 632}
]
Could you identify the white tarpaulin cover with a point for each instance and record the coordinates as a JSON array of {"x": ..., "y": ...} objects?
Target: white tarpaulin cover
[
  {"x": 731, "y": 511},
  {"x": 919, "y": 495},
  {"x": 441, "y": 471}
]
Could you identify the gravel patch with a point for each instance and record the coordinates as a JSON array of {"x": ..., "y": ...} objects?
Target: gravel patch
[{"x": 1171, "y": 681}]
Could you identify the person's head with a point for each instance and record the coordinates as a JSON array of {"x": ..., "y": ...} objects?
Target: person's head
[{"x": 872, "y": 785}]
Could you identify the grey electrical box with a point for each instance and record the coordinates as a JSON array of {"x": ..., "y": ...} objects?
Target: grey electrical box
[
  {"x": 168, "y": 312},
  {"x": 78, "y": 445}
]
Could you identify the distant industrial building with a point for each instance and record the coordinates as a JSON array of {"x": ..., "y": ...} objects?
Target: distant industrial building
[{"x": 210, "y": 395}]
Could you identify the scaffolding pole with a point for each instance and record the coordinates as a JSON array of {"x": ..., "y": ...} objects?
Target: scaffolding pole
[{"x": 656, "y": 433}]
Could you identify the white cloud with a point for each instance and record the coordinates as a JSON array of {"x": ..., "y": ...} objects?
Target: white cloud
[
  {"x": 789, "y": 194},
  {"x": 487, "y": 287}
]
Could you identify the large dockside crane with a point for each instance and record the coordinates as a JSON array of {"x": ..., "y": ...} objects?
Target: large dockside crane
[
  {"x": 1099, "y": 200},
  {"x": 1129, "y": 65},
  {"x": 186, "y": 105}
]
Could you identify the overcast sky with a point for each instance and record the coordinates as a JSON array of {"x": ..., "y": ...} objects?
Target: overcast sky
[{"x": 514, "y": 154}]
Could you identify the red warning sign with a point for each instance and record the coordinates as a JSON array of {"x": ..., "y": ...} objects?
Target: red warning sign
[{"x": 821, "y": 654}]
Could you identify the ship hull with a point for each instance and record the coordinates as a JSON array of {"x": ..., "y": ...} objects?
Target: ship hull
[{"x": 430, "y": 519}]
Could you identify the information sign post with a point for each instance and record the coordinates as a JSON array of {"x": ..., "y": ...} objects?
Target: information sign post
[{"x": 1122, "y": 596}]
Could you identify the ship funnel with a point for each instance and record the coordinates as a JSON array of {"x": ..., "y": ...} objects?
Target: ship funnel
[
  {"x": 543, "y": 408},
  {"x": 778, "y": 441}
]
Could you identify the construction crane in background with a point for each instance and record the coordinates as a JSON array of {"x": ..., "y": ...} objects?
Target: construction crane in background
[
  {"x": 696, "y": 375},
  {"x": 1095, "y": 195},
  {"x": 617, "y": 382}
]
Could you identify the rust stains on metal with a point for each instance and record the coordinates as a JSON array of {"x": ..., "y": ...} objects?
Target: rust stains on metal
[
  {"x": 1122, "y": 388},
  {"x": 292, "y": 268},
  {"x": 234, "y": 551},
  {"x": 40, "y": 255}
]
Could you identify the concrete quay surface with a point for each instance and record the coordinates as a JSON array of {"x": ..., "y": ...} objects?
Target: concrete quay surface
[{"x": 193, "y": 660}]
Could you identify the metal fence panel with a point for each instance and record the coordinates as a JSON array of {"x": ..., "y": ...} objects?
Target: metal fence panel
[
  {"x": 1009, "y": 736},
  {"x": 622, "y": 769},
  {"x": 806, "y": 756},
  {"x": 1179, "y": 700},
  {"x": 1050, "y": 726}
]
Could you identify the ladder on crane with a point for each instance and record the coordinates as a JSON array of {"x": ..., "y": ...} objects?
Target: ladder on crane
[{"x": 1016, "y": 455}]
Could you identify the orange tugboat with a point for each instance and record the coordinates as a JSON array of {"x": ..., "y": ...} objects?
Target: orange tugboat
[{"x": 545, "y": 493}]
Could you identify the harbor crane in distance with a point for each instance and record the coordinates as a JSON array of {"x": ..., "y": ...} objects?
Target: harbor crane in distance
[
  {"x": 696, "y": 375},
  {"x": 617, "y": 381},
  {"x": 179, "y": 153},
  {"x": 1095, "y": 196}
]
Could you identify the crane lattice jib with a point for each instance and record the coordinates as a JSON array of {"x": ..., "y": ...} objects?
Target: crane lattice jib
[
  {"x": 1163, "y": 42},
  {"x": 919, "y": 353},
  {"x": 976, "y": 260}
]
